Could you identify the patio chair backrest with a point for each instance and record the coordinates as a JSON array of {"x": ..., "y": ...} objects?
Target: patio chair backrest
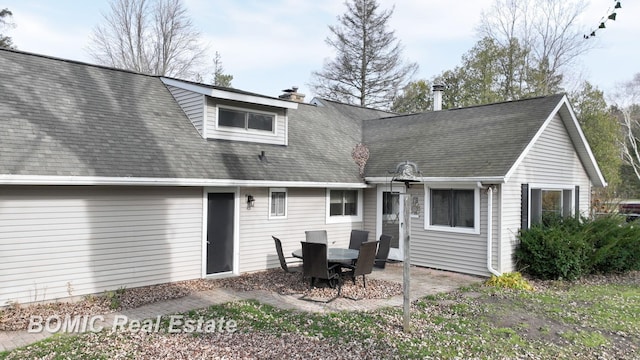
[
  {"x": 366, "y": 257},
  {"x": 283, "y": 262},
  {"x": 317, "y": 236},
  {"x": 357, "y": 238},
  {"x": 314, "y": 260},
  {"x": 383, "y": 251}
]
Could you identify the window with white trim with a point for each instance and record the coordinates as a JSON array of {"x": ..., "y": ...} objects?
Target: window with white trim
[
  {"x": 245, "y": 120},
  {"x": 277, "y": 203},
  {"x": 551, "y": 201},
  {"x": 453, "y": 209},
  {"x": 344, "y": 205}
]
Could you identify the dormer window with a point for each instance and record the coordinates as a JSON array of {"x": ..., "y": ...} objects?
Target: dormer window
[{"x": 243, "y": 120}]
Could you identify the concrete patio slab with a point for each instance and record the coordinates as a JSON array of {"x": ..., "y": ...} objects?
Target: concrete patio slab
[{"x": 424, "y": 282}]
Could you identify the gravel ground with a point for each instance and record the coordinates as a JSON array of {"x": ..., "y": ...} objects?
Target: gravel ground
[
  {"x": 254, "y": 345},
  {"x": 257, "y": 344},
  {"x": 16, "y": 317}
]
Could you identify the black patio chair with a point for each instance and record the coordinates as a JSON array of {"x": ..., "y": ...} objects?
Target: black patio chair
[
  {"x": 317, "y": 236},
  {"x": 283, "y": 259},
  {"x": 364, "y": 264},
  {"x": 316, "y": 266},
  {"x": 383, "y": 251},
  {"x": 357, "y": 238}
]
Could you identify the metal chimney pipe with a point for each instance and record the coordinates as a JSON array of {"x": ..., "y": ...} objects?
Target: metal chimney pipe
[{"x": 437, "y": 97}]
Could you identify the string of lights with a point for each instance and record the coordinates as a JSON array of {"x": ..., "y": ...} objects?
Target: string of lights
[{"x": 604, "y": 20}]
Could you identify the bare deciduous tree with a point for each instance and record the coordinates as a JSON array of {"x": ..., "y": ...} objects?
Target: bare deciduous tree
[
  {"x": 152, "y": 37},
  {"x": 368, "y": 69},
  {"x": 5, "y": 41},
  {"x": 627, "y": 102},
  {"x": 547, "y": 31}
]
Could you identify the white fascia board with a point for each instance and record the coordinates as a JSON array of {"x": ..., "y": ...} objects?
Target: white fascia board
[
  {"x": 136, "y": 181},
  {"x": 564, "y": 102},
  {"x": 584, "y": 142},
  {"x": 483, "y": 179},
  {"x": 533, "y": 141},
  {"x": 230, "y": 95}
]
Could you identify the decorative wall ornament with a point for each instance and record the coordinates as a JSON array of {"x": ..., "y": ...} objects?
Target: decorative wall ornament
[{"x": 360, "y": 155}]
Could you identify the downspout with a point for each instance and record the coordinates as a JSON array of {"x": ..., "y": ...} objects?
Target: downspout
[{"x": 490, "y": 232}]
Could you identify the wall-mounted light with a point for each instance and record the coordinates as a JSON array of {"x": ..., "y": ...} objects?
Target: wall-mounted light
[{"x": 250, "y": 201}]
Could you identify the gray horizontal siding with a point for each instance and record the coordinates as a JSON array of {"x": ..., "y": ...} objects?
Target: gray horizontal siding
[
  {"x": 306, "y": 211},
  {"x": 551, "y": 160},
  {"x": 192, "y": 104},
  {"x": 370, "y": 211},
  {"x": 281, "y": 124},
  {"x": 465, "y": 253},
  {"x": 67, "y": 241}
]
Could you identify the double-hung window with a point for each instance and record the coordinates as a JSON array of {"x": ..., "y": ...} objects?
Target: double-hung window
[
  {"x": 239, "y": 119},
  {"x": 453, "y": 209},
  {"x": 344, "y": 205},
  {"x": 277, "y": 203}
]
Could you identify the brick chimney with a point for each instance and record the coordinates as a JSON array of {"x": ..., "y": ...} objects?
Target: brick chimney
[
  {"x": 437, "y": 97},
  {"x": 292, "y": 94}
]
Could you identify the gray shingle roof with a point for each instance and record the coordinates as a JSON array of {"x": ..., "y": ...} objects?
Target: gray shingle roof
[
  {"x": 354, "y": 111},
  {"x": 478, "y": 141},
  {"x": 64, "y": 118}
]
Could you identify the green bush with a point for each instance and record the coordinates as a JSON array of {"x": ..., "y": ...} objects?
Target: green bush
[
  {"x": 616, "y": 244},
  {"x": 552, "y": 252},
  {"x": 570, "y": 248}
]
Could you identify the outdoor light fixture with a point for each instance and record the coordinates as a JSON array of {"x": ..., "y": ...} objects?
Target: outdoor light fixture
[
  {"x": 612, "y": 16},
  {"x": 250, "y": 201},
  {"x": 601, "y": 26},
  {"x": 618, "y": 6},
  {"x": 407, "y": 172}
]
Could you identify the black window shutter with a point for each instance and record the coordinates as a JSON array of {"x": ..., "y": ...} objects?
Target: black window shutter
[
  {"x": 524, "y": 207},
  {"x": 577, "y": 200}
]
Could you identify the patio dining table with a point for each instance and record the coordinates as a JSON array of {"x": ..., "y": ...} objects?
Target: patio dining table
[{"x": 335, "y": 255}]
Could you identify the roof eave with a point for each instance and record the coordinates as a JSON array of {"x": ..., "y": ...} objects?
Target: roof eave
[
  {"x": 441, "y": 179},
  {"x": 577, "y": 136},
  {"x": 229, "y": 95},
  {"x": 148, "y": 181}
]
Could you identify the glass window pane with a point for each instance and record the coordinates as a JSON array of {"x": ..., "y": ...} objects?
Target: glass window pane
[
  {"x": 351, "y": 203},
  {"x": 232, "y": 118},
  {"x": 567, "y": 199},
  {"x": 390, "y": 203},
  {"x": 260, "y": 122},
  {"x": 440, "y": 207},
  {"x": 463, "y": 207},
  {"x": 551, "y": 202},
  {"x": 278, "y": 200},
  {"x": 274, "y": 204},
  {"x": 335, "y": 202}
]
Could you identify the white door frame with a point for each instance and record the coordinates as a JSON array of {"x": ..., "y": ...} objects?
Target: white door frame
[
  {"x": 236, "y": 230},
  {"x": 394, "y": 253}
]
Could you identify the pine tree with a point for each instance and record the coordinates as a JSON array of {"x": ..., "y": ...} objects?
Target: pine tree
[{"x": 368, "y": 69}]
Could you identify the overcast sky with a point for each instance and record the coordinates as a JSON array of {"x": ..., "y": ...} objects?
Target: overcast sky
[{"x": 271, "y": 45}]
